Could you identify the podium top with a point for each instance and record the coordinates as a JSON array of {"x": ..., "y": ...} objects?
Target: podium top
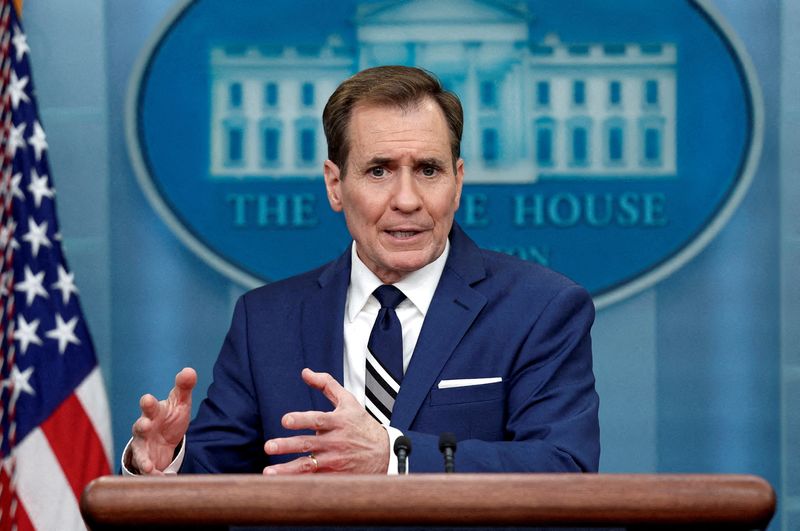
[{"x": 741, "y": 501}]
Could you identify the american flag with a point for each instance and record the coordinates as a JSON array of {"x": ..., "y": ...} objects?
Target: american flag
[{"x": 54, "y": 414}]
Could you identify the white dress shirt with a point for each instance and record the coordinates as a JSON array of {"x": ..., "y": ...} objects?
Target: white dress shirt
[{"x": 361, "y": 310}]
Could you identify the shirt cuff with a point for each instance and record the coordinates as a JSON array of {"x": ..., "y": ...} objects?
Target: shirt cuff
[
  {"x": 394, "y": 433},
  {"x": 171, "y": 470}
]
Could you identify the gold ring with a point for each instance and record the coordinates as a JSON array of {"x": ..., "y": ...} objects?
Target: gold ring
[{"x": 314, "y": 460}]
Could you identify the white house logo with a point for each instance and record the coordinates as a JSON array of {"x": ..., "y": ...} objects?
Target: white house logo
[{"x": 607, "y": 140}]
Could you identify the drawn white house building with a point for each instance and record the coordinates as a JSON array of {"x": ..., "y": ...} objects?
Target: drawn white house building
[
  {"x": 266, "y": 104},
  {"x": 533, "y": 110}
]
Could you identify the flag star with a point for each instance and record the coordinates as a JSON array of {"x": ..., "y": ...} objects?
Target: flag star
[
  {"x": 16, "y": 139},
  {"x": 38, "y": 188},
  {"x": 64, "y": 333},
  {"x": 36, "y": 236},
  {"x": 25, "y": 333},
  {"x": 32, "y": 286},
  {"x": 38, "y": 140},
  {"x": 16, "y": 89},
  {"x": 18, "y": 382},
  {"x": 16, "y": 191},
  {"x": 20, "y": 41},
  {"x": 66, "y": 283}
]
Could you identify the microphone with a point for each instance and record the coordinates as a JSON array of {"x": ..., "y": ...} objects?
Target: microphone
[
  {"x": 447, "y": 445},
  {"x": 402, "y": 449}
]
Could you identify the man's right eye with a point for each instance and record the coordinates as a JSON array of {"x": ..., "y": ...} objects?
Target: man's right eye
[{"x": 377, "y": 172}]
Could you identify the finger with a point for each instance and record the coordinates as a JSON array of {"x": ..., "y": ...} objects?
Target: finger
[
  {"x": 184, "y": 383},
  {"x": 142, "y": 426},
  {"x": 147, "y": 468},
  {"x": 326, "y": 383},
  {"x": 307, "y": 420},
  {"x": 140, "y": 459},
  {"x": 149, "y": 406},
  {"x": 301, "y": 465},
  {"x": 143, "y": 465},
  {"x": 290, "y": 445}
]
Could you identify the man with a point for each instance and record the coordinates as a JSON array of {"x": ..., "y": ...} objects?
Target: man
[{"x": 491, "y": 348}]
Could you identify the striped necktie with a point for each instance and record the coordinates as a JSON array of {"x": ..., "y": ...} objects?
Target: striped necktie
[{"x": 385, "y": 356}]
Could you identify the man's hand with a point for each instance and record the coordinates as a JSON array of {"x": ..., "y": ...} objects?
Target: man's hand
[
  {"x": 162, "y": 425},
  {"x": 347, "y": 439}
]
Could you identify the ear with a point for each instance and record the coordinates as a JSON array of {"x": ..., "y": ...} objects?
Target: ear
[
  {"x": 333, "y": 183},
  {"x": 459, "y": 181}
]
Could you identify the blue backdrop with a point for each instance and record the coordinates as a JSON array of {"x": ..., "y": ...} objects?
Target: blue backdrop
[{"x": 700, "y": 373}]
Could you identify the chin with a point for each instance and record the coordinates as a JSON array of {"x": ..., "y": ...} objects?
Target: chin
[{"x": 409, "y": 265}]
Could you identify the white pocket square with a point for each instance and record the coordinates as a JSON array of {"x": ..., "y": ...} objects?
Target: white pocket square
[{"x": 465, "y": 382}]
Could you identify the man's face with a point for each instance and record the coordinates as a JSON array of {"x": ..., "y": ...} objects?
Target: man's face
[{"x": 400, "y": 191}]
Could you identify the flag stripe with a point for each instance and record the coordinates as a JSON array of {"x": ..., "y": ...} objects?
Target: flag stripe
[
  {"x": 75, "y": 444},
  {"x": 21, "y": 517},
  {"x": 12, "y": 510},
  {"x": 6, "y": 499},
  {"x": 92, "y": 394},
  {"x": 42, "y": 487}
]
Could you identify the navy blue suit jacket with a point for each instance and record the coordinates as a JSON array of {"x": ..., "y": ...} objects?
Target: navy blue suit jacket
[{"x": 492, "y": 315}]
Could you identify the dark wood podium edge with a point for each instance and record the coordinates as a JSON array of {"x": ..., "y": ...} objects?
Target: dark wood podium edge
[{"x": 741, "y": 501}]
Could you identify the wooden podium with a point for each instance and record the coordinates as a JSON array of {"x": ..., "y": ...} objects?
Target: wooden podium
[{"x": 604, "y": 500}]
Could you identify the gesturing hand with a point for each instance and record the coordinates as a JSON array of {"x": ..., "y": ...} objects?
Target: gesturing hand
[
  {"x": 162, "y": 425},
  {"x": 347, "y": 439}
]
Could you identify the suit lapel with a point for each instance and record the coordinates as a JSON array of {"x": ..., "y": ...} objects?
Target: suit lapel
[
  {"x": 454, "y": 307},
  {"x": 322, "y": 319}
]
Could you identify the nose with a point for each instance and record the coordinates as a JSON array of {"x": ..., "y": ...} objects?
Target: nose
[{"x": 406, "y": 194}]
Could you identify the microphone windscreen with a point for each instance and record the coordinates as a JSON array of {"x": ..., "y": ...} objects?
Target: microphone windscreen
[
  {"x": 447, "y": 440},
  {"x": 404, "y": 443}
]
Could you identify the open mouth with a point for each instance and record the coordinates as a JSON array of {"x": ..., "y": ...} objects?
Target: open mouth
[{"x": 402, "y": 234}]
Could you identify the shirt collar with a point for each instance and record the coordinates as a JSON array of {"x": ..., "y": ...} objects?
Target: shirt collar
[{"x": 418, "y": 286}]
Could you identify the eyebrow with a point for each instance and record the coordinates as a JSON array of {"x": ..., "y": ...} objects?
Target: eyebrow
[
  {"x": 378, "y": 161},
  {"x": 431, "y": 161},
  {"x": 428, "y": 161}
]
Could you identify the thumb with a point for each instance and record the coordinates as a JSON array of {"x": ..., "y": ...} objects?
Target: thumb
[{"x": 326, "y": 383}]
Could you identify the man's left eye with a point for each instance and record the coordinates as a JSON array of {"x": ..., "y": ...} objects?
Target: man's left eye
[{"x": 429, "y": 171}]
